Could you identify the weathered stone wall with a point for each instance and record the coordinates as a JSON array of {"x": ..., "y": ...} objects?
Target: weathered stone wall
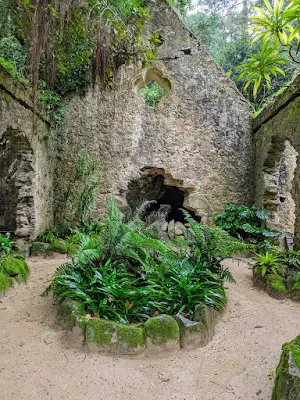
[
  {"x": 26, "y": 163},
  {"x": 276, "y": 142},
  {"x": 197, "y": 138}
]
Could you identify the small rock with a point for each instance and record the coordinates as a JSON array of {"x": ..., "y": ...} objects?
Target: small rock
[
  {"x": 171, "y": 229},
  {"x": 179, "y": 229},
  {"x": 164, "y": 227}
]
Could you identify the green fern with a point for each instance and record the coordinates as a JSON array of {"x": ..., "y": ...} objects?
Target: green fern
[{"x": 124, "y": 273}]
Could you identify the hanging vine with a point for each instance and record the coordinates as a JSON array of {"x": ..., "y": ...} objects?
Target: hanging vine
[{"x": 61, "y": 34}]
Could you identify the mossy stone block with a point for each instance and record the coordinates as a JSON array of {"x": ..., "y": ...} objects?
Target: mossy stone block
[
  {"x": 193, "y": 334},
  {"x": 5, "y": 282},
  {"x": 60, "y": 246},
  {"x": 287, "y": 380},
  {"x": 69, "y": 314},
  {"x": 101, "y": 335},
  {"x": 131, "y": 339},
  {"x": 207, "y": 315},
  {"x": 162, "y": 330},
  {"x": 38, "y": 248}
]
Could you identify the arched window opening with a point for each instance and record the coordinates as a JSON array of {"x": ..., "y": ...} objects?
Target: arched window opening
[{"x": 152, "y": 84}]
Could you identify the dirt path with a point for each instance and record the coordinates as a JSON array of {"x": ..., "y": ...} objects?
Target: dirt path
[{"x": 36, "y": 362}]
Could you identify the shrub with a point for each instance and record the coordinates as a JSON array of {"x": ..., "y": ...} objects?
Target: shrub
[
  {"x": 248, "y": 224},
  {"x": 125, "y": 273}
]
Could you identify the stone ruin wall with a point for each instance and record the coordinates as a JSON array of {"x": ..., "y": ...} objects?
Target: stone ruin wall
[
  {"x": 276, "y": 172},
  {"x": 197, "y": 138},
  {"x": 26, "y": 164}
]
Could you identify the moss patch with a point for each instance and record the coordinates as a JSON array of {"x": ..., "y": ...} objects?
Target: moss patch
[
  {"x": 12, "y": 268},
  {"x": 130, "y": 339},
  {"x": 102, "y": 333},
  {"x": 295, "y": 350},
  {"x": 162, "y": 329},
  {"x": 5, "y": 281},
  {"x": 59, "y": 246}
]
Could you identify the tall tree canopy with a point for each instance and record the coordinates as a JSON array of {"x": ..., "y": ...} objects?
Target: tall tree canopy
[{"x": 226, "y": 29}]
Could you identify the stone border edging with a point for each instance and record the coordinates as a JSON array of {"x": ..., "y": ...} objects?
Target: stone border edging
[
  {"x": 158, "y": 334},
  {"x": 266, "y": 285}
]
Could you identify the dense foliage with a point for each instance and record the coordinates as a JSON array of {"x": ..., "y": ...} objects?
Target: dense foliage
[
  {"x": 70, "y": 43},
  {"x": 12, "y": 266},
  {"x": 276, "y": 26},
  {"x": 125, "y": 273},
  {"x": 248, "y": 224},
  {"x": 280, "y": 270},
  {"x": 225, "y": 28}
]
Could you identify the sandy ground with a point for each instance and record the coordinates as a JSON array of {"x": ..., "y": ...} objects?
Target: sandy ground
[{"x": 36, "y": 362}]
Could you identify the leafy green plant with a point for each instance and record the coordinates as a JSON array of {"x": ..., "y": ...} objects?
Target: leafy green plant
[
  {"x": 281, "y": 269},
  {"x": 260, "y": 67},
  {"x": 52, "y": 234},
  {"x": 267, "y": 263},
  {"x": 5, "y": 244},
  {"x": 274, "y": 22},
  {"x": 248, "y": 224},
  {"x": 87, "y": 177},
  {"x": 124, "y": 273},
  {"x": 277, "y": 26},
  {"x": 152, "y": 93},
  {"x": 50, "y": 103}
]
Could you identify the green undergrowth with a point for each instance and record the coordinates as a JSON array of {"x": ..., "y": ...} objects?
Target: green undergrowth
[
  {"x": 249, "y": 225},
  {"x": 123, "y": 272},
  {"x": 280, "y": 270},
  {"x": 13, "y": 267}
]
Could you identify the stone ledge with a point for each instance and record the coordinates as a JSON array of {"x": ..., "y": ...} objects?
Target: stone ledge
[
  {"x": 161, "y": 333},
  {"x": 20, "y": 92},
  {"x": 290, "y": 94}
]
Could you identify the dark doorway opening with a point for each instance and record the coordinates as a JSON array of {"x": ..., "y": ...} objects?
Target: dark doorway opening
[{"x": 152, "y": 187}]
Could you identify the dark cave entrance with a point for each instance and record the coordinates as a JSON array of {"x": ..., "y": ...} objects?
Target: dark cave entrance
[{"x": 153, "y": 187}]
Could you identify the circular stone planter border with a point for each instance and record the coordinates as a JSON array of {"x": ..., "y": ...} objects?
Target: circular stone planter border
[
  {"x": 266, "y": 285},
  {"x": 159, "y": 333}
]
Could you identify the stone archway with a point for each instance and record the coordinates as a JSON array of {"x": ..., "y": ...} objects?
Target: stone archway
[
  {"x": 16, "y": 185},
  {"x": 170, "y": 194},
  {"x": 278, "y": 176}
]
